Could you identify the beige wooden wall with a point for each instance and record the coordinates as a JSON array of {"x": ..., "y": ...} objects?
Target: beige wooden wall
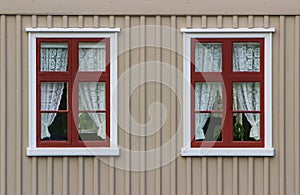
[{"x": 148, "y": 164}]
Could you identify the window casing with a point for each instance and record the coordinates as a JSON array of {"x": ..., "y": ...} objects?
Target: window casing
[
  {"x": 213, "y": 112},
  {"x": 86, "y": 92}
]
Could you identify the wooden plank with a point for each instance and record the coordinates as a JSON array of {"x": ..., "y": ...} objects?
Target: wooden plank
[
  {"x": 127, "y": 144},
  {"x": 281, "y": 95},
  {"x": 49, "y": 21},
  {"x": 80, "y": 176},
  {"x": 219, "y": 22},
  {"x": 173, "y": 110},
  {"x": 111, "y": 21},
  {"x": 296, "y": 106},
  {"x": 158, "y": 99},
  {"x": 250, "y": 21},
  {"x": 19, "y": 108},
  {"x": 166, "y": 98},
  {"x": 266, "y": 159},
  {"x": 204, "y": 176},
  {"x": 65, "y": 21},
  {"x": 142, "y": 106},
  {"x": 204, "y": 22},
  {"x": 34, "y": 159},
  {"x": 188, "y": 21},
  {"x": 235, "y": 178},
  {"x": 251, "y": 176},
  {"x": 235, "y": 21},
  {"x": 3, "y": 105},
  {"x": 219, "y": 176},
  {"x": 11, "y": 132},
  {"x": 65, "y": 176}
]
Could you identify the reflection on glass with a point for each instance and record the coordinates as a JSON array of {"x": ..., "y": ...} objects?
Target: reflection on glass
[
  {"x": 208, "y": 57},
  {"x": 208, "y": 96},
  {"x": 246, "y": 96},
  {"x": 91, "y": 96},
  {"x": 246, "y": 57},
  {"x": 208, "y": 126},
  {"x": 92, "y": 126},
  {"x": 54, "y": 56},
  {"x": 92, "y": 56},
  {"x": 246, "y": 127},
  {"x": 54, "y": 126}
]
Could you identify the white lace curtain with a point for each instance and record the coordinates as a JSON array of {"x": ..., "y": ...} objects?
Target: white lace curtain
[
  {"x": 205, "y": 100},
  {"x": 246, "y": 57},
  {"x": 92, "y": 56},
  {"x": 247, "y": 98},
  {"x": 208, "y": 57},
  {"x": 53, "y": 58},
  {"x": 92, "y": 98}
]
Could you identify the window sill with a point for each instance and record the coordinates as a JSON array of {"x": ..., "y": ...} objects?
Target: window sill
[
  {"x": 227, "y": 151},
  {"x": 73, "y": 151}
]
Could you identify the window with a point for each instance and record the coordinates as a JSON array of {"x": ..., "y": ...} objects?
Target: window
[
  {"x": 72, "y": 92},
  {"x": 227, "y": 92}
]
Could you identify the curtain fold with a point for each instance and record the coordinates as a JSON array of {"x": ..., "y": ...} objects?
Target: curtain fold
[
  {"x": 205, "y": 95},
  {"x": 246, "y": 95},
  {"x": 208, "y": 57},
  {"x": 51, "y": 93},
  {"x": 52, "y": 59},
  {"x": 92, "y": 98}
]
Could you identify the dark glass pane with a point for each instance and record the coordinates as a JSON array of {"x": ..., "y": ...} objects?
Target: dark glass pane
[
  {"x": 54, "y": 126},
  {"x": 246, "y": 127}
]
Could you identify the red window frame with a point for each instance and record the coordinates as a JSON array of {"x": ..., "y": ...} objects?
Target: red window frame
[
  {"x": 227, "y": 77},
  {"x": 72, "y": 76}
]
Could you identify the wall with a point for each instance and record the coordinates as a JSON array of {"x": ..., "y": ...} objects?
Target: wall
[
  {"x": 148, "y": 164},
  {"x": 150, "y": 7}
]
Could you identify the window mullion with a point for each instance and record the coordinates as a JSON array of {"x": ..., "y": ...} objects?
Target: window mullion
[
  {"x": 227, "y": 92},
  {"x": 74, "y": 96}
]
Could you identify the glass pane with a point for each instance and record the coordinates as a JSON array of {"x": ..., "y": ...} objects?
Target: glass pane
[
  {"x": 54, "y": 56},
  {"x": 246, "y": 127},
  {"x": 208, "y": 57},
  {"x": 54, "y": 96},
  {"x": 54, "y": 126},
  {"x": 208, "y": 126},
  {"x": 92, "y": 126},
  {"x": 92, "y": 56},
  {"x": 208, "y": 96},
  {"x": 246, "y": 57},
  {"x": 246, "y": 96},
  {"x": 91, "y": 96}
]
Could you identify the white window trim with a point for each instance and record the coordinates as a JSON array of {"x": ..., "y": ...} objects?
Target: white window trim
[
  {"x": 33, "y": 34},
  {"x": 188, "y": 34}
]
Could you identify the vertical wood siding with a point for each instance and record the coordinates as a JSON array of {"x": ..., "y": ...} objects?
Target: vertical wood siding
[{"x": 149, "y": 164}]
